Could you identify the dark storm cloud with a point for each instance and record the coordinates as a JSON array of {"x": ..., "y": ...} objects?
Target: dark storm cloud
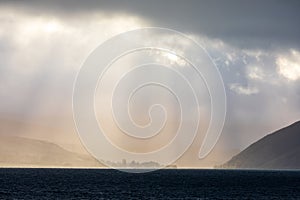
[{"x": 246, "y": 24}]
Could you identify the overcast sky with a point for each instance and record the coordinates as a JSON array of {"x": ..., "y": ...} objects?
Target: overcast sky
[{"x": 254, "y": 44}]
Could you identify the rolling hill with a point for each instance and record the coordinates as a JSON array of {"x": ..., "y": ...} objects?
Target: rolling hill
[
  {"x": 279, "y": 150},
  {"x": 25, "y": 152}
]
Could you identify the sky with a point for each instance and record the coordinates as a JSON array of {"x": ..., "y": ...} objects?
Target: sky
[{"x": 254, "y": 44}]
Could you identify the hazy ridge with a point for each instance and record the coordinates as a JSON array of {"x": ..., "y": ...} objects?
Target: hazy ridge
[{"x": 25, "y": 152}]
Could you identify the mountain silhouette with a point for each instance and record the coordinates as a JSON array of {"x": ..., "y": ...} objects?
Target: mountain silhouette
[{"x": 279, "y": 150}]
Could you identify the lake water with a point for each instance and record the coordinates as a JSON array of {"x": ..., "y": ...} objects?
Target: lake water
[{"x": 162, "y": 184}]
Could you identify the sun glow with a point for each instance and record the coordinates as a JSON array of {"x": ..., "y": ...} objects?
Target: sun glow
[
  {"x": 51, "y": 27},
  {"x": 174, "y": 59}
]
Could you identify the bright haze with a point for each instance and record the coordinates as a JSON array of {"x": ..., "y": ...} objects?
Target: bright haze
[{"x": 254, "y": 44}]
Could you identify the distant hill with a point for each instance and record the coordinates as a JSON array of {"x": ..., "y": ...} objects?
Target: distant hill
[
  {"x": 279, "y": 150},
  {"x": 24, "y": 152}
]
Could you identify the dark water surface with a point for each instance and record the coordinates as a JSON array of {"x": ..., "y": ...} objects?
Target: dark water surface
[{"x": 163, "y": 184}]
